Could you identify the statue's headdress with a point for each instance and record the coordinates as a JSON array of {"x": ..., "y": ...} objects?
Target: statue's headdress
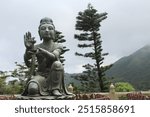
[{"x": 46, "y": 20}]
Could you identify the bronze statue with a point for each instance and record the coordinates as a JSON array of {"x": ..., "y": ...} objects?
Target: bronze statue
[{"x": 46, "y": 70}]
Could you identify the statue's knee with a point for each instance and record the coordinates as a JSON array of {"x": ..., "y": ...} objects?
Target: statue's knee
[
  {"x": 33, "y": 88},
  {"x": 57, "y": 65}
]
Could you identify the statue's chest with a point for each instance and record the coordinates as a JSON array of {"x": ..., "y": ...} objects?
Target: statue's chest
[{"x": 48, "y": 48}]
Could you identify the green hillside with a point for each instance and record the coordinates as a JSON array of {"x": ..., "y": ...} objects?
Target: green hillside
[
  {"x": 134, "y": 69},
  {"x": 69, "y": 78}
]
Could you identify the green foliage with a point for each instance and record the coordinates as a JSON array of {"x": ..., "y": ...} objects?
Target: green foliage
[
  {"x": 88, "y": 80},
  {"x": 21, "y": 72},
  {"x": 107, "y": 83},
  {"x": 2, "y": 85},
  {"x": 10, "y": 89},
  {"x": 13, "y": 89},
  {"x": 60, "y": 39},
  {"x": 123, "y": 87},
  {"x": 88, "y": 23}
]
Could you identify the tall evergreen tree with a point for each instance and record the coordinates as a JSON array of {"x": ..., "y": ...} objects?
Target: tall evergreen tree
[
  {"x": 60, "y": 39},
  {"x": 88, "y": 23}
]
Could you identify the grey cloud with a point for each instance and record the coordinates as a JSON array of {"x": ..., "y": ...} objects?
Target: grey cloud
[{"x": 124, "y": 31}]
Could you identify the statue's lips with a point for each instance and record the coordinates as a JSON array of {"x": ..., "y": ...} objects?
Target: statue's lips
[{"x": 47, "y": 35}]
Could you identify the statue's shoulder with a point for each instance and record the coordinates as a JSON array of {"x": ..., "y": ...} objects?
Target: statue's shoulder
[{"x": 58, "y": 46}]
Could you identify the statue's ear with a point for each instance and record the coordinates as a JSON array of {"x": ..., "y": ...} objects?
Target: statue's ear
[
  {"x": 55, "y": 36},
  {"x": 40, "y": 35}
]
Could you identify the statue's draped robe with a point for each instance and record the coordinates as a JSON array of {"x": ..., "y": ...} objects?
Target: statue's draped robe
[{"x": 48, "y": 76}]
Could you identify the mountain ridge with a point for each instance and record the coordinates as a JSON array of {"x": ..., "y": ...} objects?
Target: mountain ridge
[{"x": 134, "y": 69}]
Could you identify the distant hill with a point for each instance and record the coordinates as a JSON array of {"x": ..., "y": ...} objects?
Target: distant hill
[
  {"x": 134, "y": 68},
  {"x": 70, "y": 79}
]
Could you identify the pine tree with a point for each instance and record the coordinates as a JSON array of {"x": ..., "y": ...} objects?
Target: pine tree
[
  {"x": 88, "y": 79},
  {"x": 60, "y": 39},
  {"x": 88, "y": 23}
]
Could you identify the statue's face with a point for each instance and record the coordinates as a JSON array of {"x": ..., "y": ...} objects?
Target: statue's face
[{"x": 47, "y": 31}]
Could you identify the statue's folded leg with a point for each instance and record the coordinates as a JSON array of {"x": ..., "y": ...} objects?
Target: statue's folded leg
[
  {"x": 33, "y": 88},
  {"x": 36, "y": 86},
  {"x": 55, "y": 78}
]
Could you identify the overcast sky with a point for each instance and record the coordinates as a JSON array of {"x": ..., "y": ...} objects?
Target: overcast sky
[{"x": 124, "y": 31}]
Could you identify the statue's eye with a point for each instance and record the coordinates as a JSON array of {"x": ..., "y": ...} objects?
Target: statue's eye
[
  {"x": 50, "y": 28},
  {"x": 43, "y": 28}
]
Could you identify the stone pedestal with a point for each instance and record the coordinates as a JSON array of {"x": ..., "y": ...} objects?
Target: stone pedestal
[{"x": 63, "y": 97}]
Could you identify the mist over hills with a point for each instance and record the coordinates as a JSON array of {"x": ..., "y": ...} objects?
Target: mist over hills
[{"x": 134, "y": 69}]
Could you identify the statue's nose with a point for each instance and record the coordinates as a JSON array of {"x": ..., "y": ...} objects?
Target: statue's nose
[{"x": 46, "y": 29}]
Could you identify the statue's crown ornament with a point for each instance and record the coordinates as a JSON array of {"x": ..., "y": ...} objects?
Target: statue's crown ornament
[{"x": 46, "y": 20}]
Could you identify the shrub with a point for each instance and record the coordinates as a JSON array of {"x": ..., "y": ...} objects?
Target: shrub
[{"x": 123, "y": 87}]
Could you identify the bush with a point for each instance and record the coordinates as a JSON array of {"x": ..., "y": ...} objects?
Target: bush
[
  {"x": 2, "y": 85},
  {"x": 123, "y": 87},
  {"x": 13, "y": 89}
]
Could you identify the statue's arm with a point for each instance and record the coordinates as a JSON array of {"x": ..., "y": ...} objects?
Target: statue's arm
[
  {"x": 27, "y": 58},
  {"x": 46, "y": 53},
  {"x": 57, "y": 52},
  {"x": 52, "y": 55}
]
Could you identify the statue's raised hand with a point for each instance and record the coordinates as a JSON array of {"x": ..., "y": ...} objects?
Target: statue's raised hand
[{"x": 29, "y": 41}]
